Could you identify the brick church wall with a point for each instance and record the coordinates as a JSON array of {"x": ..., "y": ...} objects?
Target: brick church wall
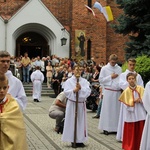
[
  {"x": 95, "y": 29},
  {"x": 74, "y": 16},
  {"x": 104, "y": 40},
  {"x": 9, "y": 7}
]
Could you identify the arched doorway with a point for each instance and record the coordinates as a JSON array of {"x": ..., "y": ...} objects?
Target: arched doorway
[{"x": 32, "y": 43}]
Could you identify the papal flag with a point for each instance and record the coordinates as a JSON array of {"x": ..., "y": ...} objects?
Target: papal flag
[
  {"x": 108, "y": 13},
  {"x": 91, "y": 10},
  {"x": 98, "y": 6}
]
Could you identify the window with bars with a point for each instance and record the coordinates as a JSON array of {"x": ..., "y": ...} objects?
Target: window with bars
[
  {"x": 89, "y": 43},
  {"x": 90, "y": 3}
]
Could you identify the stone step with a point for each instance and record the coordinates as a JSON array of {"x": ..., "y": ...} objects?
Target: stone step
[
  {"x": 30, "y": 85},
  {"x": 43, "y": 94},
  {"x": 29, "y": 93},
  {"x": 45, "y": 91},
  {"x": 43, "y": 88}
]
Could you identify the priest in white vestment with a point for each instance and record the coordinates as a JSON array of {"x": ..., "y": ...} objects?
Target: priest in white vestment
[
  {"x": 37, "y": 79},
  {"x": 123, "y": 85},
  {"x": 109, "y": 78},
  {"x": 145, "y": 143},
  {"x": 71, "y": 87}
]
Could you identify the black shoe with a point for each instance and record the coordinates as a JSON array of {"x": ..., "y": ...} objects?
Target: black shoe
[
  {"x": 95, "y": 116},
  {"x": 35, "y": 100},
  {"x": 106, "y": 132},
  {"x": 73, "y": 146},
  {"x": 80, "y": 145}
]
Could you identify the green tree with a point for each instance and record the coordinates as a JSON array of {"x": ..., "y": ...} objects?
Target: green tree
[
  {"x": 142, "y": 67},
  {"x": 134, "y": 22}
]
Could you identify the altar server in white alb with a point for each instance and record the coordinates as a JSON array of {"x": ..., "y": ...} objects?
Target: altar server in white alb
[
  {"x": 16, "y": 88},
  {"x": 145, "y": 143},
  {"x": 37, "y": 79},
  {"x": 131, "y": 64},
  {"x": 134, "y": 114},
  {"x": 109, "y": 78},
  {"x": 71, "y": 87}
]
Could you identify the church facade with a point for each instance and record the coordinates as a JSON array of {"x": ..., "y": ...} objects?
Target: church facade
[{"x": 37, "y": 27}]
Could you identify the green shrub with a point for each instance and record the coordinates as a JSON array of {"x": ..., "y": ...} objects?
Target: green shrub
[
  {"x": 124, "y": 67},
  {"x": 142, "y": 67}
]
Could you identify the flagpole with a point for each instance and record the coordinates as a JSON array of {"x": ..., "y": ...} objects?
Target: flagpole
[{"x": 78, "y": 58}]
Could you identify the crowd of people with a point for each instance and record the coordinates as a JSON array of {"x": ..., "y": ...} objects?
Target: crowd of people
[
  {"x": 123, "y": 103},
  {"x": 55, "y": 70}
]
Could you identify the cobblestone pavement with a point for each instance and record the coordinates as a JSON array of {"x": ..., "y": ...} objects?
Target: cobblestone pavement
[{"x": 41, "y": 134}]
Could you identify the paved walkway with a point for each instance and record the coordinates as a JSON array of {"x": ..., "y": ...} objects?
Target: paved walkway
[{"x": 41, "y": 134}]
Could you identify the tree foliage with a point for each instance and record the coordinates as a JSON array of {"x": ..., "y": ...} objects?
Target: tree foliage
[
  {"x": 135, "y": 22},
  {"x": 142, "y": 67}
]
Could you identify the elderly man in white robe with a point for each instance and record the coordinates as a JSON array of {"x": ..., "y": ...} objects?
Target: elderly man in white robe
[
  {"x": 16, "y": 88},
  {"x": 71, "y": 87},
  {"x": 145, "y": 144},
  {"x": 109, "y": 78},
  {"x": 37, "y": 79},
  {"x": 123, "y": 84}
]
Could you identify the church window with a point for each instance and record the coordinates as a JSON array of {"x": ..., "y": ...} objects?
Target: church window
[
  {"x": 90, "y": 3},
  {"x": 89, "y": 49}
]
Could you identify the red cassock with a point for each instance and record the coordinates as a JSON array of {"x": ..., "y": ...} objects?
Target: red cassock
[{"x": 132, "y": 135}]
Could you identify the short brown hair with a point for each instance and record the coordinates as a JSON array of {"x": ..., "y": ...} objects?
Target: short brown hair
[
  {"x": 4, "y": 54},
  {"x": 3, "y": 78},
  {"x": 113, "y": 57},
  {"x": 130, "y": 74},
  {"x": 132, "y": 60}
]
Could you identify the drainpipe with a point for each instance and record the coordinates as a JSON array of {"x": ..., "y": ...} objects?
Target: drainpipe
[{"x": 5, "y": 21}]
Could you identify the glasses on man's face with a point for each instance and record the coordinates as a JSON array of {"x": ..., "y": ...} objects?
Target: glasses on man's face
[{"x": 5, "y": 61}]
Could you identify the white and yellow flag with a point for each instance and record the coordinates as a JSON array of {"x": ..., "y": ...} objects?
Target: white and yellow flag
[
  {"x": 105, "y": 10},
  {"x": 108, "y": 13}
]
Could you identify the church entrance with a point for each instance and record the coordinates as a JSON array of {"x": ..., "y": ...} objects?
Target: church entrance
[
  {"x": 33, "y": 51},
  {"x": 32, "y": 43}
]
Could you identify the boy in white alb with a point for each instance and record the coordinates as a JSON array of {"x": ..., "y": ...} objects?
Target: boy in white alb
[
  {"x": 123, "y": 84},
  {"x": 71, "y": 87},
  {"x": 109, "y": 78},
  {"x": 134, "y": 114},
  {"x": 16, "y": 88}
]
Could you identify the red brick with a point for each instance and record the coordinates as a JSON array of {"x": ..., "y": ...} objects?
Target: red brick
[{"x": 74, "y": 16}]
